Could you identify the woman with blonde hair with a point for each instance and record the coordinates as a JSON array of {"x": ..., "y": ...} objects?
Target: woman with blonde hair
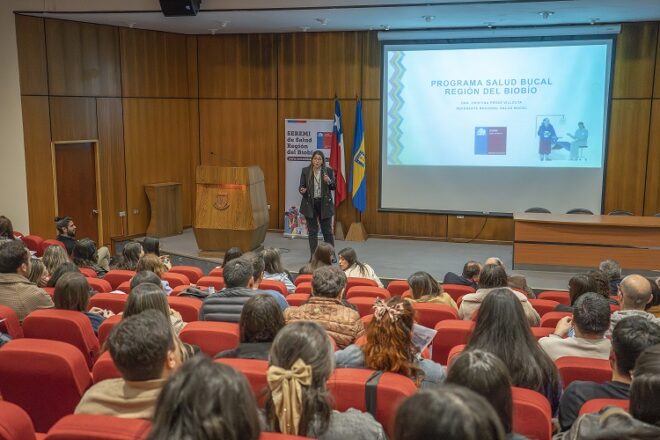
[
  {"x": 425, "y": 289},
  {"x": 153, "y": 263},
  {"x": 298, "y": 401},
  {"x": 39, "y": 275},
  {"x": 54, "y": 257},
  {"x": 390, "y": 346}
]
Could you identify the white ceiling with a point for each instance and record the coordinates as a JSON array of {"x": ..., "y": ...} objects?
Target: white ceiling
[{"x": 253, "y": 16}]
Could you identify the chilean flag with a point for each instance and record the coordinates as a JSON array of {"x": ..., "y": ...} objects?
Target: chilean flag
[{"x": 337, "y": 162}]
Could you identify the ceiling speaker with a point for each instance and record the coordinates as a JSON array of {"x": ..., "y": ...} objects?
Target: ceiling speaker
[{"x": 179, "y": 8}]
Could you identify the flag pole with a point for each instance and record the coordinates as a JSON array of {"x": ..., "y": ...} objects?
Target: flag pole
[{"x": 357, "y": 232}]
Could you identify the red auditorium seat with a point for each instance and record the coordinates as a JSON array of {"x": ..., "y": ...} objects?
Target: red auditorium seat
[
  {"x": 367, "y": 291},
  {"x": 407, "y": 294},
  {"x": 178, "y": 290},
  {"x": 364, "y": 304},
  {"x": 429, "y": 315},
  {"x": 456, "y": 290},
  {"x": 88, "y": 272},
  {"x": 117, "y": 276},
  {"x": 614, "y": 308},
  {"x": 297, "y": 299},
  {"x": 573, "y": 368},
  {"x": 175, "y": 279},
  {"x": 366, "y": 320},
  {"x": 532, "y": 415},
  {"x": 124, "y": 287},
  {"x": 45, "y": 378},
  {"x": 188, "y": 307},
  {"x": 192, "y": 272},
  {"x": 49, "y": 242},
  {"x": 551, "y": 319},
  {"x": 109, "y": 301},
  {"x": 18, "y": 235},
  {"x": 541, "y": 332},
  {"x": 211, "y": 337},
  {"x": 305, "y": 287},
  {"x": 216, "y": 272},
  {"x": 11, "y": 322},
  {"x": 455, "y": 351},
  {"x": 595, "y": 405},
  {"x": 92, "y": 427},
  {"x": 49, "y": 290},
  {"x": 560, "y": 296},
  {"x": 104, "y": 368},
  {"x": 450, "y": 334},
  {"x": 303, "y": 278},
  {"x": 15, "y": 423},
  {"x": 106, "y": 327},
  {"x": 218, "y": 283},
  {"x": 99, "y": 285},
  {"x": 275, "y": 285},
  {"x": 356, "y": 281},
  {"x": 348, "y": 387},
  {"x": 255, "y": 372},
  {"x": 543, "y": 306},
  {"x": 397, "y": 287},
  {"x": 33, "y": 242},
  {"x": 66, "y": 326}
]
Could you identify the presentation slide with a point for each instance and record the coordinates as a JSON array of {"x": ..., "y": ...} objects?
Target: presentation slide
[{"x": 507, "y": 119}]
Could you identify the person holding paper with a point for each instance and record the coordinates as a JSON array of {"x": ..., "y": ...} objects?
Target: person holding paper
[
  {"x": 547, "y": 137},
  {"x": 316, "y": 182}
]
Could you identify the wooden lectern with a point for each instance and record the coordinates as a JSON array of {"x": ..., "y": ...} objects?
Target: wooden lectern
[{"x": 230, "y": 208}]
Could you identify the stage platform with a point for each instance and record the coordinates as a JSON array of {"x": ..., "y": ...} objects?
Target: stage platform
[{"x": 390, "y": 258}]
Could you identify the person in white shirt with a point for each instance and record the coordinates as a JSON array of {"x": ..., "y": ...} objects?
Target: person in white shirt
[{"x": 352, "y": 267}]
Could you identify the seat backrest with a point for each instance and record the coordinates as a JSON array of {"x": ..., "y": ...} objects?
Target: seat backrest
[
  {"x": 99, "y": 285},
  {"x": 364, "y": 304},
  {"x": 33, "y": 242},
  {"x": 551, "y": 319},
  {"x": 357, "y": 281},
  {"x": 211, "y": 337},
  {"x": 11, "y": 322},
  {"x": 348, "y": 387},
  {"x": 124, "y": 286},
  {"x": 303, "y": 278},
  {"x": 456, "y": 290},
  {"x": 429, "y": 314},
  {"x": 109, "y": 301},
  {"x": 188, "y": 307},
  {"x": 397, "y": 287},
  {"x": 542, "y": 332},
  {"x": 92, "y": 427},
  {"x": 450, "y": 333},
  {"x": 217, "y": 272},
  {"x": 45, "y": 378},
  {"x": 193, "y": 273},
  {"x": 532, "y": 415},
  {"x": 573, "y": 368},
  {"x": 117, "y": 276},
  {"x": 218, "y": 283},
  {"x": 106, "y": 326},
  {"x": 562, "y": 297},
  {"x": 275, "y": 285},
  {"x": 255, "y": 371},
  {"x": 595, "y": 405},
  {"x": 455, "y": 351},
  {"x": 88, "y": 272},
  {"x": 304, "y": 287},
  {"x": 297, "y": 299},
  {"x": 579, "y": 211},
  {"x": 538, "y": 210},
  {"x": 175, "y": 279},
  {"x": 104, "y": 368},
  {"x": 66, "y": 326},
  {"x": 49, "y": 242},
  {"x": 543, "y": 306},
  {"x": 370, "y": 291},
  {"x": 15, "y": 423}
]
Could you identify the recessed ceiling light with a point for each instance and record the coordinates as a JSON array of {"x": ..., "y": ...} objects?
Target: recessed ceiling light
[
  {"x": 323, "y": 21},
  {"x": 428, "y": 18},
  {"x": 546, "y": 14}
]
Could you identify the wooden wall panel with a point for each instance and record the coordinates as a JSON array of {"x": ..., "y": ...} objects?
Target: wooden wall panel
[
  {"x": 371, "y": 72},
  {"x": 470, "y": 228},
  {"x": 83, "y": 59},
  {"x": 31, "y": 42},
  {"x": 112, "y": 169},
  {"x": 652, "y": 193},
  {"x": 73, "y": 119},
  {"x": 656, "y": 82},
  {"x": 627, "y": 155},
  {"x": 154, "y": 64},
  {"x": 38, "y": 165},
  {"x": 238, "y": 66},
  {"x": 635, "y": 60},
  {"x": 191, "y": 52},
  {"x": 158, "y": 142},
  {"x": 242, "y": 133},
  {"x": 319, "y": 65}
]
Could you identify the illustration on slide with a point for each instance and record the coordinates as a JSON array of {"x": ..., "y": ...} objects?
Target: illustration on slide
[
  {"x": 547, "y": 137},
  {"x": 579, "y": 142}
]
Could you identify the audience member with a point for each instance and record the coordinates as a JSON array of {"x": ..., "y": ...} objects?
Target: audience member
[
  {"x": 273, "y": 269},
  {"x": 85, "y": 255},
  {"x": 642, "y": 421},
  {"x": 16, "y": 291},
  {"x": 232, "y": 253},
  {"x": 258, "y": 266},
  {"x": 352, "y": 267},
  {"x": 61, "y": 270},
  {"x": 601, "y": 284},
  {"x": 6, "y": 230},
  {"x": 38, "y": 273},
  {"x": 322, "y": 256},
  {"x": 130, "y": 255},
  {"x": 261, "y": 319},
  {"x": 206, "y": 400},
  {"x": 449, "y": 412},
  {"x": 72, "y": 293},
  {"x": 425, "y": 289},
  {"x": 146, "y": 276},
  {"x": 630, "y": 338},
  {"x": 151, "y": 245},
  {"x": 469, "y": 277},
  {"x": 390, "y": 347},
  {"x": 494, "y": 277},
  {"x": 145, "y": 352},
  {"x": 298, "y": 402},
  {"x": 591, "y": 319},
  {"x": 634, "y": 295},
  {"x": 502, "y": 329},
  {"x": 485, "y": 374},
  {"x": 654, "y": 305},
  {"x": 147, "y": 296},
  {"x": 578, "y": 285},
  {"x": 516, "y": 282},
  {"x": 612, "y": 271},
  {"x": 152, "y": 263},
  {"x": 53, "y": 257},
  {"x": 326, "y": 308},
  {"x": 66, "y": 233}
]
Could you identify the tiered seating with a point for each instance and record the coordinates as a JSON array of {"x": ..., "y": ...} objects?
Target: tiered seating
[
  {"x": 117, "y": 276},
  {"x": 255, "y": 372},
  {"x": 397, "y": 287},
  {"x": 98, "y": 285},
  {"x": 367, "y": 291},
  {"x": 541, "y": 332},
  {"x": 450, "y": 334},
  {"x": 217, "y": 282},
  {"x": 216, "y": 272},
  {"x": 573, "y": 368},
  {"x": 532, "y": 416},
  {"x": 124, "y": 287},
  {"x": 595, "y": 405},
  {"x": 91, "y": 427},
  {"x": 104, "y": 368},
  {"x": 275, "y": 285},
  {"x": 193, "y": 273},
  {"x": 303, "y": 278},
  {"x": 304, "y": 287},
  {"x": 33, "y": 242},
  {"x": 551, "y": 319},
  {"x": 189, "y": 308},
  {"x": 454, "y": 352},
  {"x": 428, "y": 314},
  {"x": 106, "y": 327},
  {"x": 355, "y": 281},
  {"x": 11, "y": 322},
  {"x": 364, "y": 304},
  {"x": 560, "y": 296},
  {"x": 88, "y": 272},
  {"x": 457, "y": 290},
  {"x": 175, "y": 279},
  {"x": 297, "y": 299},
  {"x": 50, "y": 242},
  {"x": 109, "y": 301},
  {"x": 211, "y": 337},
  {"x": 15, "y": 424},
  {"x": 543, "y": 306}
]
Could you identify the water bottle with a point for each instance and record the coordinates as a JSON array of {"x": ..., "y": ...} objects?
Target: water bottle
[{"x": 211, "y": 290}]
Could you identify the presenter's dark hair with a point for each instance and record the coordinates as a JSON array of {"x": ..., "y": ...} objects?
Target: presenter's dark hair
[{"x": 310, "y": 176}]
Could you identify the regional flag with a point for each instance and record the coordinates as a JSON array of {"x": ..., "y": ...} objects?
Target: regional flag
[
  {"x": 359, "y": 169},
  {"x": 337, "y": 162}
]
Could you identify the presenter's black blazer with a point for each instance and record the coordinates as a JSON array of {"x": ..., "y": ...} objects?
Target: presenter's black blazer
[{"x": 307, "y": 204}]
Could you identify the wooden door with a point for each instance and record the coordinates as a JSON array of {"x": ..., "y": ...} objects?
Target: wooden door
[{"x": 75, "y": 181}]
